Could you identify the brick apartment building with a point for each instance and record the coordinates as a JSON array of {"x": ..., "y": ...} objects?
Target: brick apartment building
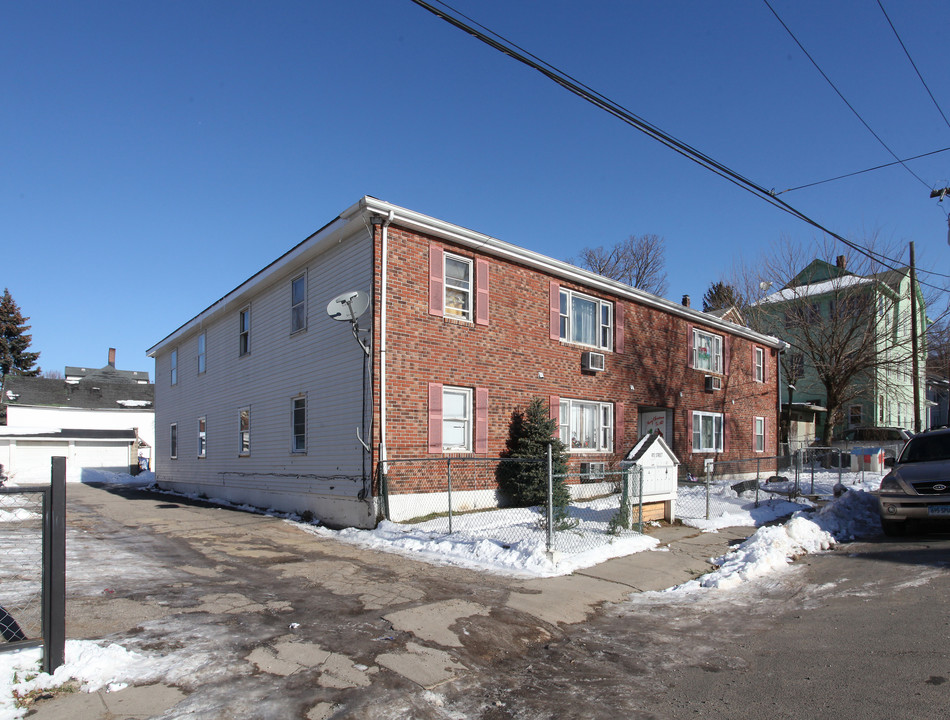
[{"x": 263, "y": 398}]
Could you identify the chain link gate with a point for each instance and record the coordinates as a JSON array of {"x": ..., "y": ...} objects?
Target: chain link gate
[{"x": 33, "y": 567}]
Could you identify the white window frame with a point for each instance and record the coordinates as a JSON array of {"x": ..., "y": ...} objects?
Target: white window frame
[
  {"x": 758, "y": 434},
  {"x": 173, "y": 371},
  {"x": 298, "y": 441},
  {"x": 715, "y": 359},
  {"x": 718, "y": 434},
  {"x": 244, "y": 331},
  {"x": 244, "y": 432},
  {"x": 602, "y": 433},
  {"x": 759, "y": 364},
  {"x": 173, "y": 441},
  {"x": 462, "y": 289},
  {"x": 298, "y": 305},
  {"x": 202, "y": 436},
  {"x": 202, "y": 352},
  {"x": 451, "y": 424},
  {"x": 604, "y": 319}
]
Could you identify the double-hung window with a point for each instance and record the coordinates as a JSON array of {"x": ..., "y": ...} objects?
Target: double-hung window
[
  {"x": 707, "y": 351},
  {"x": 202, "y": 437},
  {"x": 244, "y": 426},
  {"x": 299, "y": 425},
  {"x": 298, "y": 304},
  {"x": 173, "y": 441},
  {"x": 759, "y": 360},
  {"x": 458, "y": 287},
  {"x": 586, "y": 320},
  {"x": 174, "y": 367},
  {"x": 244, "y": 331},
  {"x": 707, "y": 432},
  {"x": 758, "y": 431},
  {"x": 586, "y": 426},
  {"x": 456, "y": 419},
  {"x": 202, "y": 352}
]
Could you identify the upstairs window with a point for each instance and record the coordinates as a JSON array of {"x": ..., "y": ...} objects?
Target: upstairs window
[
  {"x": 458, "y": 287},
  {"x": 202, "y": 350},
  {"x": 244, "y": 331},
  {"x": 758, "y": 359},
  {"x": 298, "y": 304},
  {"x": 585, "y": 320},
  {"x": 174, "y": 367},
  {"x": 707, "y": 351}
]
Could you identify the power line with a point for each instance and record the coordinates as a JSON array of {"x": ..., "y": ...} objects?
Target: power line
[
  {"x": 859, "y": 172},
  {"x": 840, "y": 95},
  {"x": 907, "y": 53},
  {"x": 498, "y": 42}
]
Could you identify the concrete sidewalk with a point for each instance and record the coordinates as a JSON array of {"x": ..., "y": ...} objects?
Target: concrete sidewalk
[{"x": 443, "y": 623}]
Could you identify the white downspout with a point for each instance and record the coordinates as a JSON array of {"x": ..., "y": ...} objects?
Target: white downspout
[{"x": 383, "y": 316}]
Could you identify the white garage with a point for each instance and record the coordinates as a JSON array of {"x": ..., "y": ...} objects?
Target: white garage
[{"x": 26, "y": 455}]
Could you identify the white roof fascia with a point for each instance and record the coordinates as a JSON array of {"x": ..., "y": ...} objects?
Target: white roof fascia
[
  {"x": 485, "y": 243},
  {"x": 335, "y": 232}
]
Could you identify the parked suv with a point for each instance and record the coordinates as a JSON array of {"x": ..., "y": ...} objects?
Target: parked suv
[{"x": 918, "y": 487}]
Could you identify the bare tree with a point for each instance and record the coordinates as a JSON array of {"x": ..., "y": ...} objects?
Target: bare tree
[
  {"x": 52, "y": 375},
  {"x": 637, "y": 261},
  {"x": 845, "y": 320}
]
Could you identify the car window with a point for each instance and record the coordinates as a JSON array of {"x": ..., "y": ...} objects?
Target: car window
[{"x": 924, "y": 448}]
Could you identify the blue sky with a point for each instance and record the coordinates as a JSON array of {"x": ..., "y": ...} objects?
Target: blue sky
[{"x": 155, "y": 155}]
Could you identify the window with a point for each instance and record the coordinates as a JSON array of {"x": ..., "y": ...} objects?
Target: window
[
  {"x": 707, "y": 351},
  {"x": 854, "y": 415},
  {"x": 456, "y": 419},
  {"x": 202, "y": 437},
  {"x": 202, "y": 344},
  {"x": 586, "y": 320},
  {"x": 244, "y": 337},
  {"x": 174, "y": 367},
  {"x": 758, "y": 425},
  {"x": 759, "y": 359},
  {"x": 173, "y": 441},
  {"x": 707, "y": 432},
  {"x": 458, "y": 287},
  {"x": 298, "y": 304},
  {"x": 244, "y": 422},
  {"x": 299, "y": 425},
  {"x": 586, "y": 426}
]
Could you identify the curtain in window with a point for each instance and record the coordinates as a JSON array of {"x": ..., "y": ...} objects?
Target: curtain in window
[
  {"x": 584, "y": 426},
  {"x": 584, "y": 321}
]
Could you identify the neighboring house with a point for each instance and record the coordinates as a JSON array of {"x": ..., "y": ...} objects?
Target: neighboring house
[
  {"x": 264, "y": 399},
  {"x": 883, "y": 396},
  {"x": 938, "y": 401},
  {"x": 105, "y": 420}
]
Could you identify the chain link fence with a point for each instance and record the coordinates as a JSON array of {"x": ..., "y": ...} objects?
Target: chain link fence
[{"x": 460, "y": 496}]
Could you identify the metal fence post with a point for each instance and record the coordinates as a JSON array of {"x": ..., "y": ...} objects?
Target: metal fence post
[
  {"x": 448, "y": 469},
  {"x": 54, "y": 620},
  {"x": 640, "y": 502},
  {"x": 550, "y": 500},
  {"x": 706, "y": 468}
]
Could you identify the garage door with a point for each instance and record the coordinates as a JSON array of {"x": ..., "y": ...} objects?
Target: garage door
[
  {"x": 101, "y": 456},
  {"x": 31, "y": 464}
]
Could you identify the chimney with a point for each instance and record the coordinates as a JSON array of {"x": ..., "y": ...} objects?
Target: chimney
[
  {"x": 841, "y": 261},
  {"x": 686, "y": 301},
  {"x": 112, "y": 357}
]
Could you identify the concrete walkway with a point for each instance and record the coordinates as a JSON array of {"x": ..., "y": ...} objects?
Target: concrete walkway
[{"x": 366, "y": 622}]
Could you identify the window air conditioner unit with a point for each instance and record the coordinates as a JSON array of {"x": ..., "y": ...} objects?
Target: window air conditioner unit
[
  {"x": 593, "y": 361},
  {"x": 713, "y": 383},
  {"x": 592, "y": 471}
]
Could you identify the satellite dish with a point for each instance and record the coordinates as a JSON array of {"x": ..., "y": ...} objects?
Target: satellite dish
[{"x": 348, "y": 306}]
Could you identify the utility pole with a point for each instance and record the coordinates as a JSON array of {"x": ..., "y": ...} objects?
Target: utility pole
[{"x": 915, "y": 364}]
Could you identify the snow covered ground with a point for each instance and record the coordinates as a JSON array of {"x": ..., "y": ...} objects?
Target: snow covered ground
[{"x": 485, "y": 541}]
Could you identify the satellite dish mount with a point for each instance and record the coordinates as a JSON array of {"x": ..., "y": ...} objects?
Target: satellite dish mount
[{"x": 349, "y": 307}]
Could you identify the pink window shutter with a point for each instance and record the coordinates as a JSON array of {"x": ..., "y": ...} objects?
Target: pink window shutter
[
  {"x": 481, "y": 420},
  {"x": 435, "y": 417},
  {"x": 726, "y": 354},
  {"x": 554, "y": 409},
  {"x": 481, "y": 292},
  {"x": 436, "y": 281},
  {"x": 726, "y": 432},
  {"x": 554, "y": 305},
  {"x": 618, "y": 427},
  {"x": 618, "y": 331},
  {"x": 689, "y": 346}
]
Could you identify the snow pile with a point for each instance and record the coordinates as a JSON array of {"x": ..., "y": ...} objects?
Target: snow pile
[
  {"x": 89, "y": 665},
  {"x": 852, "y": 515}
]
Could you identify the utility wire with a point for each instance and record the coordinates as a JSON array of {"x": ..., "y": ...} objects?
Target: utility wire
[
  {"x": 907, "y": 53},
  {"x": 859, "y": 172},
  {"x": 840, "y": 95}
]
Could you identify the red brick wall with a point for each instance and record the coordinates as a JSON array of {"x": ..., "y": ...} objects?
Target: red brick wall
[{"x": 507, "y": 355}]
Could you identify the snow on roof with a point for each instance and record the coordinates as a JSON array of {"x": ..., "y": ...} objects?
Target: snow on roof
[
  {"x": 802, "y": 291},
  {"x": 134, "y": 403}
]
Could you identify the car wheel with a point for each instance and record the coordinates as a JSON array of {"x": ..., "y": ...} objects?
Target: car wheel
[{"x": 894, "y": 528}]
